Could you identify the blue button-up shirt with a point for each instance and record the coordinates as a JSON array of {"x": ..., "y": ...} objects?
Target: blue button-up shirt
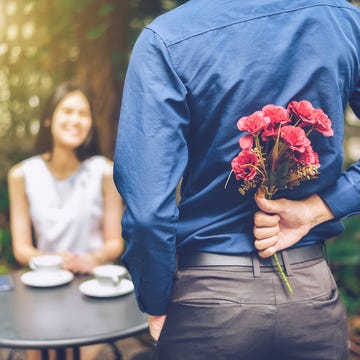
[{"x": 193, "y": 73}]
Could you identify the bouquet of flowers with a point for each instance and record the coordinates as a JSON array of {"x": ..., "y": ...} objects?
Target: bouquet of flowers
[{"x": 276, "y": 153}]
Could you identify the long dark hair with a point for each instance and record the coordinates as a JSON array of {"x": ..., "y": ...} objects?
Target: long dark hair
[{"x": 44, "y": 139}]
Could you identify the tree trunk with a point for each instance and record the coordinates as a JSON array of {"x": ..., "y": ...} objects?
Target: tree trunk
[{"x": 103, "y": 28}]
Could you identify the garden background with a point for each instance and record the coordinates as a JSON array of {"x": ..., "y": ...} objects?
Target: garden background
[{"x": 45, "y": 42}]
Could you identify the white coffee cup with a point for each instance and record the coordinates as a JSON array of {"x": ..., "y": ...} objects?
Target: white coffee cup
[
  {"x": 46, "y": 263},
  {"x": 109, "y": 274}
]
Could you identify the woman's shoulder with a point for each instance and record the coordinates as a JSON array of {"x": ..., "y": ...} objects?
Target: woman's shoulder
[
  {"x": 99, "y": 162},
  {"x": 28, "y": 168},
  {"x": 33, "y": 165},
  {"x": 19, "y": 171},
  {"x": 16, "y": 180},
  {"x": 109, "y": 164},
  {"x": 16, "y": 172},
  {"x": 108, "y": 169}
]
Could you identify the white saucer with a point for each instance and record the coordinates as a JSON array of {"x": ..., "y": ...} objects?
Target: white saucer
[
  {"x": 46, "y": 278},
  {"x": 93, "y": 288}
]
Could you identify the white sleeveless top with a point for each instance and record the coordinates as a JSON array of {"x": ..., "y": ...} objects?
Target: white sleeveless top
[{"x": 66, "y": 214}]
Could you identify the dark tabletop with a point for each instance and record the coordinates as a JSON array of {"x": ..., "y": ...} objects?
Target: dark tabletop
[{"x": 62, "y": 316}]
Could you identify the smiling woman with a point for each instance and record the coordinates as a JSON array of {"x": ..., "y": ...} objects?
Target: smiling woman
[{"x": 65, "y": 193}]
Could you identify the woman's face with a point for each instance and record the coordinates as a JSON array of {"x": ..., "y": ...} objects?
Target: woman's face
[{"x": 71, "y": 121}]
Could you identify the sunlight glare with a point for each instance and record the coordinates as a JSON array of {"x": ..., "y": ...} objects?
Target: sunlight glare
[
  {"x": 28, "y": 30},
  {"x": 3, "y": 49},
  {"x": 10, "y": 8},
  {"x": 34, "y": 101},
  {"x": 12, "y": 32},
  {"x": 34, "y": 127}
]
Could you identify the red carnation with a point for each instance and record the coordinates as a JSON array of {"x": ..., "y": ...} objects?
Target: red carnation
[
  {"x": 245, "y": 165},
  {"x": 303, "y": 109},
  {"x": 277, "y": 114},
  {"x": 253, "y": 123},
  {"x": 309, "y": 157},
  {"x": 295, "y": 138},
  {"x": 322, "y": 123}
]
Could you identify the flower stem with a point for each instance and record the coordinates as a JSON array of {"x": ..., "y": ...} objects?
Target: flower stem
[
  {"x": 261, "y": 158},
  {"x": 264, "y": 190},
  {"x": 282, "y": 273}
]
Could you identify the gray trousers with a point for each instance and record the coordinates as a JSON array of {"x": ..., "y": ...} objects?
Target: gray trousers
[{"x": 228, "y": 313}]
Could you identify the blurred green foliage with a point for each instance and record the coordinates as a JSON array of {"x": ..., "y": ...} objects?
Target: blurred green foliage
[
  {"x": 7, "y": 259},
  {"x": 344, "y": 257},
  {"x": 6, "y": 254}
]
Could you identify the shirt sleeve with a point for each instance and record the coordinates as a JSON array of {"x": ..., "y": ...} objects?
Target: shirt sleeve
[
  {"x": 150, "y": 157},
  {"x": 343, "y": 198}
]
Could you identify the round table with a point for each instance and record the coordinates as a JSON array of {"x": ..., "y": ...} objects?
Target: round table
[{"x": 61, "y": 316}]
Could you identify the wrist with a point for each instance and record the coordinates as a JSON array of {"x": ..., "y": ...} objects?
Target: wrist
[
  {"x": 318, "y": 211},
  {"x": 97, "y": 257}
]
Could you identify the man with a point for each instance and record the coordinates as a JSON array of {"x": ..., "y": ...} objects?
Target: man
[{"x": 203, "y": 269}]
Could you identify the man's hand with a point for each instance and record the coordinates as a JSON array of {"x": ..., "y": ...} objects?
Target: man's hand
[
  {"x": 156, "y": 324},
  {"x": 281, "y": 223}
]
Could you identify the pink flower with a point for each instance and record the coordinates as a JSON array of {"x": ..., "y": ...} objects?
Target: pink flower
[
  {"x": 253, "y": 123},
  {"x": 302, "y": 109},
  {"x": 295, "y": 138},
  {"x": 309, "y": 157},
  {"x": 246, "y": 142},
  {"x": 277, "y": 114},
  {"x": 244, "y": 165},
  {"x": 322, "y": 123}
]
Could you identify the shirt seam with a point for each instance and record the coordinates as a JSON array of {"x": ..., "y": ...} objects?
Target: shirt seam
[
  {"x": 175, "y": 42},
  {"x": 167, "y": 50}
]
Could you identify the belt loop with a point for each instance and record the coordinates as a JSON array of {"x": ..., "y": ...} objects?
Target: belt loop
[
  {"x": 286, "y": 262},
  {"x": 325, "y": 253},
  {"x": 256, "y": 265}
]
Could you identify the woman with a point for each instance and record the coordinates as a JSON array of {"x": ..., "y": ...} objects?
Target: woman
[{"x": 65, "y": 195}]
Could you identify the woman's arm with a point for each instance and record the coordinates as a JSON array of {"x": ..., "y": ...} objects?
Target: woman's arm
[
  {"x": 20, "y": 221},
  {"x": 113, "y": 211}
]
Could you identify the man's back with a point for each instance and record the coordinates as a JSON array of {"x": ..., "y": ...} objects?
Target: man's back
[{"x": 234, "y": 57}]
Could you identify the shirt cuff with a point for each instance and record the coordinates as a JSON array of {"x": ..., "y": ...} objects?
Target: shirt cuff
[{"x": 342, "y": 199}]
